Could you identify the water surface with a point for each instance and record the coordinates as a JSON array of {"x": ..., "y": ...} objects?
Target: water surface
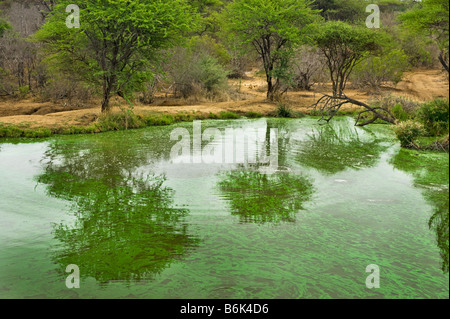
[{"x": 140, "y": 225}]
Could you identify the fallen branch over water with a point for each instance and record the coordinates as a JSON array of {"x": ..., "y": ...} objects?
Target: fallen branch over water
[{"x": 330, "y": 105}]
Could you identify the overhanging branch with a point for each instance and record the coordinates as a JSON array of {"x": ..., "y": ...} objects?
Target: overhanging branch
[{"x": 329, "y": 106}]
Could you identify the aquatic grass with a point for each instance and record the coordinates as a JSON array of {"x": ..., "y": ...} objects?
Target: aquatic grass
[
  {"x": 430, "y": 171},
  {"x": 253, "y": 115},
  {"x": 16, "y": 131},
  {"x": 228, "y": 116},
  {"x": 284, "y": 111}
]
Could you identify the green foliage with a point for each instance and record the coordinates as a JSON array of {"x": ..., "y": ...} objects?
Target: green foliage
[
  {"x": 344, "y": 46},
  {"x": 126, "y": 119},
  {"x": 400, "y": 113},
  {"x": 390, "y": 101},
  {"x": 393, "y": 5},
  {"x": 267, "y": 197},
  {"x": 417, "y": 47},
  {"x": 360, "y": 40},
  {"x": 228, "y": 116},
  {"x": 3, "y": 26},
  {"x": 16, "y": 131},
  {"x": 342, "y": 10},
  {"x": 284, "y": 110},
  {"x": 376, "y": 70},
  {"x": 272, "y": 28},
  {"x": 197, "y": 74},
  {"x": 430, "y": 16},
  {"x": 117, "y": 40},
  {"x": 163, "y": 120},
  {"x": 407, "y": 132},
  {"x": 209, "y": 46},
  {"x": 253, "y": 115},
  {"x": 22, "y": 92},
  {"x": 211, "y": 74},
  {"x": 435, "y": 116}
]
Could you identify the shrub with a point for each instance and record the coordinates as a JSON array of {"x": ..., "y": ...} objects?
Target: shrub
[
  {"x": 401, "y": 107},
  {"x": 253, "y": 115},
  {"x": 147, "y": 94},
  {"x": 196, "y": 74},
  {"x": 376, "y": 70},
  {"x": 418, "y": 47},
  {"x": 163, "y": 120},
  {"x": 284, "y": 110},
  {"x": 60, "y": 89},
  {"x": 22, "y": 92},
  {"x": 407, "y": 132},
  {"x": 228, "y": 116},
  {"x": 308, "y": 67},
  {"x": 435, "y": 116},
  {"x": 126, "y": 119},
  {"x": 399, "y": 113}
]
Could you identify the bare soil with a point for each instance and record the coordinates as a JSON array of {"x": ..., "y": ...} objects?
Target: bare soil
[{"x": 421, "y": 85}]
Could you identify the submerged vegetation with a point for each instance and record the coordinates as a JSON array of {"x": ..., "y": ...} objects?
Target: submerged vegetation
[{"x": 431, "y": 175}]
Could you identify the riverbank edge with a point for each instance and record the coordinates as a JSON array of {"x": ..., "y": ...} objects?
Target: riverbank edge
[{"x": 126, "y": 120}]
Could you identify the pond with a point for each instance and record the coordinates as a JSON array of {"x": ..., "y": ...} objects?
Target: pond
[{"x": 144, "y": 215}]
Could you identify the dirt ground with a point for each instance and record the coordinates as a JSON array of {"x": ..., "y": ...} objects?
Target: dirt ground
[{"x": 419, "y": 85}]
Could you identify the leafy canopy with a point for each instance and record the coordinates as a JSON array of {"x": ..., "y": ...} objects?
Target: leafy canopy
[
  {"x": 273, "y": 28},
  {"x": 253, "y": 19},
  {"x": 117, "y": 39},
  {"x": 430, "y": 16}
]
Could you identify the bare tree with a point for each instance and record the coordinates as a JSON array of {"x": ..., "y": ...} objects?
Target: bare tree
[
  {"x": 18, "y": 56},
  {"x": 308, "y": 66}
]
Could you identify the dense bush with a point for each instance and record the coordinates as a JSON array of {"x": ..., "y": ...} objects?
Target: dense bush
[
  {"x": 284, "y": 110},
  {"x": 377, "y": 70},
  {"x": 59, "y": 89},
  {"x": 407, "y": 132},
  {"x": 399, "y": 113},
  {"x": 435, "y": 116},
  {"x": 196, "y": 74},
  {"x": 420, "y": 50},
  {"x": 308, "y": 67},
  {"x": 402, "y": 107}
]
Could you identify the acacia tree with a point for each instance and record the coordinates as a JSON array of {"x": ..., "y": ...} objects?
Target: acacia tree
[
  {"x": 272, "y": 28},
  {"x": 344, "y": 46},
  {"x": 432, "y": 17},
  {"x": 117, "y": 40}
]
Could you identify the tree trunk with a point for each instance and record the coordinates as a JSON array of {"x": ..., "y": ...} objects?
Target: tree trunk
[
  {"x": 270, "y": 92},
  {"x": 105, "y": 103},
  {"x": 106, "y": 96},
  {"x": 443, "y": 58},
  {"x": 109, "y": 86}
]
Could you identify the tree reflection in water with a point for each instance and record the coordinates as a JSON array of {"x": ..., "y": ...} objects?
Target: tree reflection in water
[
  {"x": 429, "y": 175},
  {"x": 336, "y": 147},
  {"x": 126, "y": 227},
  {"x": 262, "y": 198}
]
